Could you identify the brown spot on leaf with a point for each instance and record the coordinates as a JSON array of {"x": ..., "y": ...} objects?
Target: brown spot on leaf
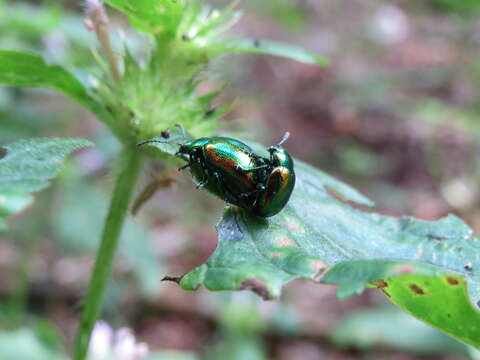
[
  {"x": 258, "y": 286},
  {"x": 320, "y": 268},
  {"x": 291, "y": 226},
  {"x": 403, "y": 269},
  {"x": 276, "y": 254},
  {"x": 380, "y": 284},
  {"x": 435, "y": 238},
  {"x": 417, "y": 289},
  {"x": 452, "y": 281},
  {"x": 285, "y": 242}
]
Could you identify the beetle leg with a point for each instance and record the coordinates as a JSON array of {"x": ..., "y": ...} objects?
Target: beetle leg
[
  {"x": 255, "y": 202},
  {"x": 184, "y": 167},
  {"x": 249, "y": 193},
  {"x": 220, "y": 185},
  {"x": 182, "y": 155},
  {"x": 257, "y": 168},
  {"x": 202, "y": 184},
  {"x": 271, "y": 150}
]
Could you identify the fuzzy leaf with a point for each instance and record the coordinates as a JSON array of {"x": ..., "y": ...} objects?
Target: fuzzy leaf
[
  {"x": 293, "y": 52},
  {"x": 158, "y": 17},
  {"x": 424, "y": 267},
  {"x": 24, "y": 69},
  {"x": 26, "y": 166},
  {"x": 169, "y": 144},
  {"x": 203, "y": 27}
]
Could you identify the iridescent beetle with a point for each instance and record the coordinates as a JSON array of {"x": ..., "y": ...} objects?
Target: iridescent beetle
[{"x": 231, "y": 170}]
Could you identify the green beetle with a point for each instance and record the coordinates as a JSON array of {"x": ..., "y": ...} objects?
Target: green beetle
[
  {"x": 231, "y": 170},
  {"x": 279, "y": 183}
]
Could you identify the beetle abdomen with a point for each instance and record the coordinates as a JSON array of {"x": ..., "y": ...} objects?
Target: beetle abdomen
[
  {"x": 279, "y": 187},
  {"x": 235, "y": 161}
]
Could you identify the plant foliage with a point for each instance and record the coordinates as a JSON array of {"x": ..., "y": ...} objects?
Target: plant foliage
[
  {"x": 423, "y": 267},
  {"x": 24, "y": 69},
  {"x": 26, "y": 166}
]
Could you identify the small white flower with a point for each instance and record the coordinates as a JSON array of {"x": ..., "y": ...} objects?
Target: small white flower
[
  {"x": 107, "y": 344},
  {"x": 101, "y": 341}
]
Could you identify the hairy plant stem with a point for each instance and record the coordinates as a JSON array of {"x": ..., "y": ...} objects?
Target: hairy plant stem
[
  {"x": 129, "y": 169},
  {"x": 98, "y": 21}
]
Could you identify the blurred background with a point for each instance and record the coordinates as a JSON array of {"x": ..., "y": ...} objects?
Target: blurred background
[{"x": 395, "y": 115}]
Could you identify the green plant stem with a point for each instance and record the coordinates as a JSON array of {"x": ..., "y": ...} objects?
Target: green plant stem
[{"x": 130, "y": 164}]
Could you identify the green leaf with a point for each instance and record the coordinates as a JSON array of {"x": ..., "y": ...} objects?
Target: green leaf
[
  {"x": 423, "y": 266},
  {"x": 432, "y": 294},
  {"x": 474, "y": 354},
  {"x": 190, "y": 23},
  {"x": 157, "y": 17},
  {"x": 392, "y": 328},
  {"x": 24, "y": 69},
  {"x": 293, "y": 52},
  {"x": 169, "y": 145},
  {"x": 465, "y": 7},
  {"x": 26, "y": 166}
]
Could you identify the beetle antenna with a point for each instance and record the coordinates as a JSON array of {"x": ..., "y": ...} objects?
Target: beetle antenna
[
  {"x": 157, "y": 141},
  {"x": 150, "y": 141},
  {"x": 284, "y": 138}
]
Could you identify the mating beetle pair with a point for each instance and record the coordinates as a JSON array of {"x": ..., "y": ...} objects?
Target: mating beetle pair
[{"x": 231, "y": 170}]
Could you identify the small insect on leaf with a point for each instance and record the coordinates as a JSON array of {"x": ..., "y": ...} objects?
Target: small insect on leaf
[{"x": 232, "y": 171}]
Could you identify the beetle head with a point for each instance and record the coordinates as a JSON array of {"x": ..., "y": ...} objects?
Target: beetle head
[{"x": 278, "y": 147}]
